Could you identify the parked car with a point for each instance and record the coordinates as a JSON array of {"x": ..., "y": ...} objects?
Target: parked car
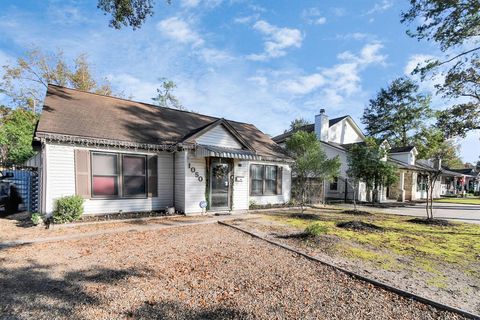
[{"x": 10, "y": 198}]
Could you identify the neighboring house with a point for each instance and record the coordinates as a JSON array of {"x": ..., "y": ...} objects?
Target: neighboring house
[
  {"x": 338, "y": 134},
  {"x": 413, "y": 176},
  {"x": 466, "y": 180},
  {"x": 128, "y": 156},
  {"x": 335, "y": 135}
]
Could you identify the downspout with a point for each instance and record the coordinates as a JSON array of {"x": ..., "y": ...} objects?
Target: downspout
[
  {"x": 174, "y": 189},
  {"x": 44, "y": 178}
]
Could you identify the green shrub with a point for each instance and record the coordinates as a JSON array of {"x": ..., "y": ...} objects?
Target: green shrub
[
  {"x": 316, "y": 229},
  {"x": 36, "y": 218},
  {"x": 68, "y": 209}
]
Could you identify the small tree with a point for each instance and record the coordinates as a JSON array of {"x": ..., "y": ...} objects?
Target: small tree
[
  {"x": 297, "y": 124},
  {"x": 353, "y": 181},
  {"x": 165, "y": 98},
  {"x": 432, "y": 176},
  {"x": 311, "y": 163},
  {"x": 434, "y": 145},
  {"x": 16, "y": 132},
  {"x": 368, "y": 163}
]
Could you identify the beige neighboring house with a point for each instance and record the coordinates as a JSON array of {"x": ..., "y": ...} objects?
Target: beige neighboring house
[
  {"x": 121, "y": 155},
  {"x": 413, "y": 180}
]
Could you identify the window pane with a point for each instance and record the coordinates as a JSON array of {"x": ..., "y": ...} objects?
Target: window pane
[
  {"x": 257, "y": 187},
  {"x": 257, "y": 172},
  {"x": 270, "y": 173},
  {"x": 104, "y": 186},
  {"x": 134, "y": 186},
  {"x": 270, "y": 186},
  {"x": 133, "y": 166},
  {"x": 104, "y": 164}
]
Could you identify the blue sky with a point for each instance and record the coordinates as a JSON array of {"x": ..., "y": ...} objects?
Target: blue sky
[{"x": 263, "y": 62}]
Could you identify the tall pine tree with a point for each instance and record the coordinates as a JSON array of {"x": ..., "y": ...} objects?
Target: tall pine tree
[{"x": 397, "y": 113}]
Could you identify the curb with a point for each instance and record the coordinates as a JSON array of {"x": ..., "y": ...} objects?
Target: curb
[{"x": 382, "y": 285}]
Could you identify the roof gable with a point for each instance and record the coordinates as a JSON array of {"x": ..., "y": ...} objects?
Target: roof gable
[
  {"x": 345, "y": 131},
  {"x": 220, "y": 134}
]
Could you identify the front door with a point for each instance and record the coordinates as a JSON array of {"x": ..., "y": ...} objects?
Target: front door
[{"x": 220, "y": 184}]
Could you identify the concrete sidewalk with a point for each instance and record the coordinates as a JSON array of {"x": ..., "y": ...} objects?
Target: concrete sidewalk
[{"x": 457, "y": 212}]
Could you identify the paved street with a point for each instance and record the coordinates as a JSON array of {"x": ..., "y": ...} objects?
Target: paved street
[{"x": 451, "y": 211}]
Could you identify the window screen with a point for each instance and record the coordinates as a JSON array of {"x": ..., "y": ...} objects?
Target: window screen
[
  {"x": 270, "y": 179},
  {"x": 264, "y": 180},
  {"x": 257, "y": 179},
  {"x": 104, "y": 175},
  {"x": 134, "y": 176}
]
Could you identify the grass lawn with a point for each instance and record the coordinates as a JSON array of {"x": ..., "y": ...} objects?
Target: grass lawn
[
  {"x": 459, "y": 200},
  {"x": 459, "y": 243},
  {"x": 437, "y": 260}
]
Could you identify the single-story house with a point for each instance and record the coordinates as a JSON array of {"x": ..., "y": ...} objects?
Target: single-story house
[
  {"x": 467, "y": 180},
  {"x": 121, "y": 155},
  {"x": 413, "y": 179}
]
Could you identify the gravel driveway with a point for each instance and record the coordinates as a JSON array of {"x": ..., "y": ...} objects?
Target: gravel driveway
[{"x": 194, "y": 272}]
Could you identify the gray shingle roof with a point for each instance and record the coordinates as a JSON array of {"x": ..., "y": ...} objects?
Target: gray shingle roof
[
  {"x": 82, "y": 114},
  {"x": 401, "y": 149}
]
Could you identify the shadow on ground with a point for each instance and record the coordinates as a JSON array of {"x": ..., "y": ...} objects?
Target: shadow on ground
[
  {"x": 33, "y": 292},
  {"x": 177, "y": 310}
]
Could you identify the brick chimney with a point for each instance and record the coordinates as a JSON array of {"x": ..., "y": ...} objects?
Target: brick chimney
[{"x": 321, "y": 126}]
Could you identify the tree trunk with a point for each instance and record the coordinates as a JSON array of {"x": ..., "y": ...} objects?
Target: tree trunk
[
  {"x": 427, "y": 205},
  {"x": 354, "y": 199}
]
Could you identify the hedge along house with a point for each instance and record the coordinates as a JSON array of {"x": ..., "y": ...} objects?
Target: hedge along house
[{"x": 128, "y": 156}]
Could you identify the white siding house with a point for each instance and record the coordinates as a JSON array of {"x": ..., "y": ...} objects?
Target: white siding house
[{"x": 146, "y": 158}]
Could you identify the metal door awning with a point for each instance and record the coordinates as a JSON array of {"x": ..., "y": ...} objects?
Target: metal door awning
[{"x": 212, "y": 151}]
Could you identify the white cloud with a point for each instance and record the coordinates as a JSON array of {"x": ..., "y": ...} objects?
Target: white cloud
[
  {"x": 65, "y": 14},
  {"x": 304, "y": 84},
  {"x": 313, "y": 16},
  {"x": 414, "y": 60},
  {"x": 260, "y": 80},
  {"x": 277, "y": 40},
  {"x": 355, "y": 36},
  {"x": 215, "y": 56},
  {"x": 246, "y": 19},
  {"x": 339, "y": 12},
  {"x": 180, "y": 31},
  {"x": 369, "y": 54},
  {"x": 380, "y": 6},
  {"x": 189, "y": 3}
]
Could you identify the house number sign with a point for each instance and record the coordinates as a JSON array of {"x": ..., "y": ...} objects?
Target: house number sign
[{"x": 195, "y": 172}]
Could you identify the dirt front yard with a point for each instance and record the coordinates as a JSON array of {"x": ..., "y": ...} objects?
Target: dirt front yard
[
  {"x": 192, "y": 272},
  {"x": 438, "y": 262}
]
